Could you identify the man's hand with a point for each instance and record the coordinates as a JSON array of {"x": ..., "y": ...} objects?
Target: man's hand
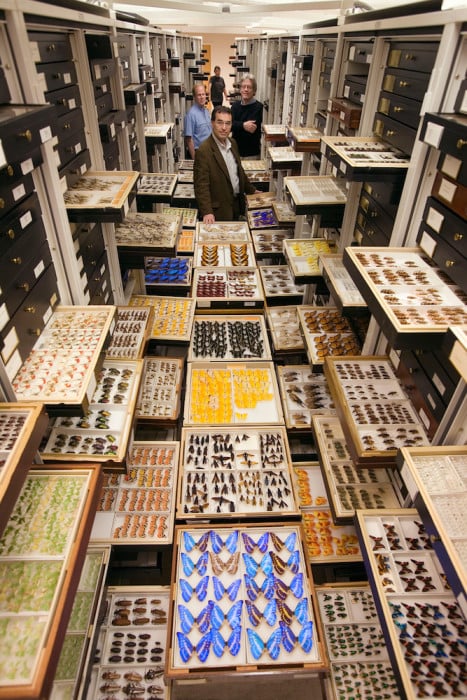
[
  {"x": 250, "y": 126},
  {"x": 209, "y": 219}
]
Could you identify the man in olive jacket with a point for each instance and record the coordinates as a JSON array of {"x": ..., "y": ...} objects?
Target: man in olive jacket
[{"x": 219, "y": 178}]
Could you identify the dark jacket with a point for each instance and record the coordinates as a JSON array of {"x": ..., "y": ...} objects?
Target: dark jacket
[
  {"x": 213, "y": 189},
  {"x": 248, "y": 144}
]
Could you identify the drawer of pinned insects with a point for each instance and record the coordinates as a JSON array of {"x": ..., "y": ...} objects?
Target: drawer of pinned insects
[
  {"x": 130, "y": 333},
  {"x": 348, "y": 486},
  {"x": 221, "y": 254},
  {"x": 303, "y": 395},
  {"x": 241, "y": 337},
  {"x": 422, "y": 620},
  {"x": 341, "y": 285},
  {"x": 243, "y": 598},
  {"x": 302, "y": 254},
  {"x": 235, "y": 472},
  {"x": 360, "y": 664},
  {"x": 172, "y": 317},
  {"x": 284, "y": 329},
  {"x": 160, "y": 388},
  {"x": 324, "y": 540},
  {"x": 326, "y": 332},
  {"x": 189, "y": 216},
  {"x": 171, "y": 273},
  {"x": 279, "y": 284},
  {"x": 138, "y": 506},
  {"x": 185, "y": 242},
  {"x": 102, "y": 433},
  {"x": 269, "y": 243},
  {"x": 239, "y": 287},
  {"x": 376, "y": 416},
  {"x": 223, "y": 232},
  {"x": 132, "y": 645},
  {"x": 262, "y": 218},
  {"x": 240, "y": 393}
]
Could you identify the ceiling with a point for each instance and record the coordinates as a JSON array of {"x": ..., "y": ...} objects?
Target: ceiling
[{"x": 243, "y": 17}]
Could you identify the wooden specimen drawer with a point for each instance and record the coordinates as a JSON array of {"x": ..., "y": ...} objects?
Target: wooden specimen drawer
[
  {"x": 89, "y": 244},
  {"x": 54, "y": 76},
  {"x": 345, "y": 111},
  {"x": 111, "y": 124},
  {"x": 71, "y": 172},
  {"x": 442, "y": 221},
  {"x": 134, "y": 94},
  {"x": 17, "y": 221},
  {"x": 448, "y": 133},
  {"x": 103, "y": 69},
  {"x": 19, "y": 257},
  {"x": 70, "y": 123},
  {"x": 446, "y": 257},
  {"x": 451, "y": 193},
  {"x": 101, "y": 87},
  {"x": 400, "y": 108},
  {"x": 386, "y": 193},
  {"x": 71, "y": 147},
  {"x": 123, "y": 45},
  {"x": 405, "y": 83},
  {"x": 48, "y": 47},
  {"x": 368, "y": 234},
  {"x": 413, "y": 56},
  {"x": 65, "y": 99},
  {"x": 24, "y": 128},
  {"x": 361, "y": 52},
  {"x": 111, "y": 155},
  {"x": 100, "y": 288},
  {"x": 425, "y": 397},
  {"x": 354, "y": 88},
  {"x": 395, "y": 133},
  {"x": 13, "y": 190},
  {"x": 383, "y": 217},
  {"x": 98, "y": 46},
  {"x": 103, "y": 105}
]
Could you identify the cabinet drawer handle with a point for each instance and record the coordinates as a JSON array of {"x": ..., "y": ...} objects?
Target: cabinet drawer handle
[
  {"x": 67, "y": 125},
  {"x": 51, "y": 47},
  {"x": 458, "y": 236},
  {"x": 2, "y": 202},
  {"x": 461, "y": 143},
  {"x": 10, "y": 233},
  {"x": 57, "y": 76},
  {"x": 403, "y": 83},
  {"x": 16, "y": 261},
  {"x": 449, "y": 263},
  {"x": 370, "y": 232},
  {"x": 410, "y": 57},
  {"x": 30, "y": 309},
  {"x": 398, "y": 109},
  {"x": 35, "y": 331},
  {"x": 391, "y": 132},
  {"x": 24, "y": 286},
  {"x": 25, "y": 135}
]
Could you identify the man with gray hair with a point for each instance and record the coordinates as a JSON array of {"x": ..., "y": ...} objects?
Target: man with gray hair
[{"x": 247, "y": 116}]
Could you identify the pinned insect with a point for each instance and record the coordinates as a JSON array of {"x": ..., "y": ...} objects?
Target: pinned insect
[
  {"x": 218, "y": 544},
  {"x": 250, "y": 545},
  {"x": 220, "y": 590},
  {"x": 189, "y": 565},
  {"x": 190, "y": 543},
  {"x": 200, "y": 590}
]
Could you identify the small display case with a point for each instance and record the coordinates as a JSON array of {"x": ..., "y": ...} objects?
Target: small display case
[
  {"x": 168, "y": 275},
  {"x": 276, "y": 133},
  {"x": 410, "y": 301},
  {"x": 376, "y": 415},
  {"x": 260, "y": 199},
  {"x": 250, "y": 166},
  {"x": 262, "y": 218},
  {"x": 284, "y": 158},
  {"x": 221, "y": 287},
  {"x": 302, "y": 255},
  {"x": 232, "y": 394},
  {"x": 60, "y": 369},
  {"x": 325, "y": 541},
  {"x": 316, "y": 195},
  {"x": 138, "y": 507},
  {"x": 222, "y": 254},
  {"x": 436, "y": 478},
  {"x": 22, "y": 426},
  {"x": 158, "y": 133},
  {"x": 343, "y": 289},
  {"x": 223, "y": 232},
  {"x": 348, "y": 486},
  {"x": 303, "y": 139},
  {"x": 284, "y": 329},
  {"x": 184, "y": 194},
  {"x": 242, "y": 337},
  {"x": 172, "y": 319},
  {"x": 130, "y": 335},
  {"x": 235, "y": 473},
  {"x": 42, "y": 552},
  {"x": 186, "y": 242},
  {"x": 189, "y": 216},
  {"x": 243, "y": 599},
  {"x": 279, "y": 285},
  {"x": 284, "y": 213},
  {"x": 423, "y": 623},
  {"x": 268, "y": 243},
  {"x": 303, "y": 395},
  {"x": 160, "y": 389},
  {"x": 102, "y": 433},
  {"x": 101, "y": 196},
  {"x": 132, "y": 644},
  {"x": 144, "y": 234},
  {"x": 352, "y": 629},
  {"x": 361, "y": 158},
  {"x": 326, "y": 332},
  {"x": 152, "y": 188}
]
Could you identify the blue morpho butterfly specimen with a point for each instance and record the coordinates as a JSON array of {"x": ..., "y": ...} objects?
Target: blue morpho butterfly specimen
[
  {"x": 230, "y": 543},
  {"x": 250, "y": 545},
  {"x": 272, "y": 645},
  {"x": 211, "y": 616},
  {"x": 292, "y": 563},
  {"x": 289, "y": 639},
  {"x": 200, "y": 590},
  {"x": 252, "y": 566},
  {"x": 190, "y": 543},
  {"x": 269, "y": 613},
  {"x": 189, "y": 565},
  {"x": 288, "y": 544},
  {"x": 220, "y": 590},
  {"x": 186, "y": 647},
  {"x": 232, "y": 643}
]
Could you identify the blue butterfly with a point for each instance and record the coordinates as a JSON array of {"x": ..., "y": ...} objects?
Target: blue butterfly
[
  {"x": 234, "y": 615},
  {"x": 288, "y": 544},
  {"x": 220, "y": 590},
  {"x": 186, "y": 619},
  {"x": 189, "y": 565},
  {"x": 293, "y": 562},
  {"x": 252, "y": 588},
  {"x": 296, "y": 585},
  {"x": 257, "y": 646},
  {"x": 186, "y": 648},
  {"x": 210, "y": 616},
  {"x": 252, "y": 566},
  {"x": 301, "y": 611},
  {"x": 270, "y": 612},
  {"x": 190, "y": 542},
  {"x": 200, "y": 590},
  {"x": 230, "y": 543},
  {"x": 232, "y": 643},
  {"x": 305, "y": 638},
  {"x": 289, "y": 639},
  {"x": 253, "y": 613},
  {"x": 250, "y": 544}
]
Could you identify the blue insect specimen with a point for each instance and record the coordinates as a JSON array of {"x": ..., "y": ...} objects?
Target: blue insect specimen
[
  {"x": 234, "y": 615},
  {"x": 190, "y": 543},
  {"x": 253, "y": 613},
  {"x": 186, "y": 619},
  {"x": 305, "y": 637},
  {"x": 289, "y": 639},
  {"x": 200, "y": 589},
  {"x": 220, "y": 590},
  {"x": 186, "y": 647},
  {"x": 230, "y": 543},
  {"x": 289, "y": 543},
  {"x": 257, "y": 646},
  {"x": 250, "y": 545},
  {"x": 301, "y": 611},
  {"x": 210, "y": 616},
  {"x": 252, "y": 566},
  {"x": 296, "y": 585},
  {"x": 189, "y": 565}
]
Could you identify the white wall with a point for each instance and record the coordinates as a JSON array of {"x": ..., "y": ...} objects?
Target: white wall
[{"x": 220, "y": 52}]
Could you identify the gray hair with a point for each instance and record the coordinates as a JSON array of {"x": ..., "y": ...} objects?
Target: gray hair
[{"x": 252, "y": 79}]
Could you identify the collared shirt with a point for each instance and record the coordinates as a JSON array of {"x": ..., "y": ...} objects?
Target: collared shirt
[
  {"x": 198, "y": 124},
  {"x": 231, "y": 163}
]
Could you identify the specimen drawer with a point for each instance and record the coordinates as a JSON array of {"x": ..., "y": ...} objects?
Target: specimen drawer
[
  {"x": 354, "y": 88},
  {"x": 49, "y": 47},
  {"x": 13, "y": 190},
  {"x": 397, "y": 134},
  {"x": 405, "y": 83},
  {"x": 24, "y": 129},
  {"x": 345, "y": 111},
  {"x": 448, "y": 133},
  {"x": 20, "y": 269},
  {"x": 451, "y": 193},
  {"x": 413, "y": 56},
  {"x": 53, "y": 76},
  {"x": 65, "y": 99},
  {"x": 401, "y": 109}
]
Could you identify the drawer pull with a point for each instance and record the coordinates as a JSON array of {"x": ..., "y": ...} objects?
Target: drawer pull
[
  {"x": 410, "y": 57},
  {"x": 370, "y": 232},
  {"x": 35, "y": 331},
  {"x": 458, "y": 236},
  {"x": 16, "y": 261},
  {"x": 2, "y": 202},
  {"x": 30, "y": 309},
  {"x": 10, "y": 233},
  {"x": 51, "y": 47},
  {"x": 461, "y": 143},
  {"x": 404, "y": 83},
  {"x": 398, "y": 109},
  {"x": 25, "y": 135},
  {"x": 391, "y": 132},
  {"x": 57, "y": 76},
  {"x": 449, "y": 263},
  {"x": 67, "y": 125},
  {"x": 24, "y": 286}
]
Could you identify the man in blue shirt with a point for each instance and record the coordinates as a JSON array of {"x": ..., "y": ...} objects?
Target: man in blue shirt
[{"x": 197, "y": 121}]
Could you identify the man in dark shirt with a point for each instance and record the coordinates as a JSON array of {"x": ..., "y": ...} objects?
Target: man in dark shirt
[
  {"x": 247, "y": 116},
  {"x": 217, "y": 90}
]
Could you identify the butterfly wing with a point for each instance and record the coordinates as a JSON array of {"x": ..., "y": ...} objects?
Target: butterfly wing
[
  {"x": 268, "y": 587},
  {"x": 248, "y": 542},
  {"x": 203, "y": 647},
  {"x": 216, "y": 542},
  {"x": 202, "y": 563},
  {"x": 253, "y": 613},
  {"x": 202, "y": 588},
  {"x": 217, "y": 616},
  {"x": 263, "y": 542},
  {"x": 301, "y": 611},
  {"x": 187, "y": 564},
  {"x": 233, "y": 641},
  {"x": 231, "y": 565},
  {"x": 281, "y": 589},
  {"x": 232, "y": 590},
  {"x": 296, "y": 585},
  {"x": 270, "y": 612},
  {"x": 274, "y": 644},
  {"x": 305, "y": 637},
  {"x": 186, "y": 619},
  {"x": 186, "y": 589},
  {"x": 252, "y": 588},
  {"x": 278, "y": 563},
  {"x": 218, "y": 644},
  {"x": 288, "y": 637},
  {"x": 277, "y": 542},
  {"x": 251, "y": 565},
  {"x": 290, "y": 541},
  {"x": 188, "y": 541},
  {"x": 234, "y": 615},
  {"x": 219, "y": 588},
  {"x": 266, "y": 564},
  {"x": 293, "y": 562},
  {"x": 204, "y": 618},
  {"x": 285, "y": 612},
  {"x": 185, "y": 647},
  {"x": 256, "y": 643},
  {"x": 232, "y": 541}
]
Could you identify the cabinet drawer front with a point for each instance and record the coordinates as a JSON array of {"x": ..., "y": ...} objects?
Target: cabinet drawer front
[
  {"x": 453, "y": 195},
  {"x": 103, "y": 105},
  {"x": 446, "y": 225},
  {"x": 398, "y": 135},
  {"x": 400, "y": 108},
  {"x": 74, "y": 169},
  {"x": 416, "y": 56},
  {"x": 49, "y": 47},
  {"x": 354, "y": 90},
  {"x": 386, "y": 193},
  {"x": 25, "y": 278},
  {"x": 18, "y": 221},
  {"x": 12, "y": 192},
  {"x": 447, "y": 258},
  {"x": 377, "y": 215},
  {"x": 54, "y": 76},
  {"x": 123, "y": 45},
  {"x": 361, "y": 52},
  {"x": 68, "y": 149},
  {"x": 70, "y": 123},
  {"x": 406, "y": 83},
  {"x": 371, "y": 236},
  {"x": 103, "y": 69},
  {"x": 24, "y": 128},
  {"x": 65, "y": 99},
  {"x": 98, "y": 46}
]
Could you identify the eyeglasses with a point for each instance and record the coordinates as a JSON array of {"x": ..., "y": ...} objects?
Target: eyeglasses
[{"x": 220, "y": 123}]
